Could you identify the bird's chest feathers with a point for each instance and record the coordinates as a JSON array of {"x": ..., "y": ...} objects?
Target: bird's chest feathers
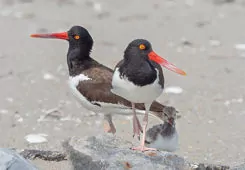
[{"x": 140, "y": 74}]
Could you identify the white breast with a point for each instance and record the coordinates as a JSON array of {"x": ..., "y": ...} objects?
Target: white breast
[
  {"x": 169, "y": 144},
  {"x": 137, "y": 94}
]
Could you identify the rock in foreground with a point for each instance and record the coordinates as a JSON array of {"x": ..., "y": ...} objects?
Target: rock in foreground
[
  {"x": 106, "y": 152},
  {"x": 11, "y": 160}
]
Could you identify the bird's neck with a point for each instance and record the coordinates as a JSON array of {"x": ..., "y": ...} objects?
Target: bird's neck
[
  {"x": 138, "y": 70},
  {"x": 79, "y": 60}
]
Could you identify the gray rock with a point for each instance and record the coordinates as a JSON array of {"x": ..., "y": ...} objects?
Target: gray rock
[
  {"x": 11, "y": 160},
  {"x": 44, "y": 155},
  {"x": 113, "y": 153},
  {"x": 239, "y": 167}
]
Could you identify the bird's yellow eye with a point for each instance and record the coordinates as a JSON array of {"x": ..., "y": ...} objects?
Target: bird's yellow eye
[
  {"x": 142, "y": 46},
  {"x": 76, "y": 37}
]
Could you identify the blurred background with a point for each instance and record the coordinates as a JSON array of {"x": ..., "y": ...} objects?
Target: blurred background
[{"x": 206, "y": 38}]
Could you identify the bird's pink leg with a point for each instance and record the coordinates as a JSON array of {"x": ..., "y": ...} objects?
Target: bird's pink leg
[
  {"x": 136, "y": 123},
  {"x": 109, "y": 126},
  {"x": 145, "y": 123}
]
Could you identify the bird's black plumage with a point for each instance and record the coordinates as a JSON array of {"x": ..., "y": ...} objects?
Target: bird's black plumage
[
  {"x": 137, "y": 66},
  {"x": 78, "y": 54}
]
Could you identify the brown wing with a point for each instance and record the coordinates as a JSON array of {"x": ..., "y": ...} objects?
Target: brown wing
[{"x": 99, "y": 89}]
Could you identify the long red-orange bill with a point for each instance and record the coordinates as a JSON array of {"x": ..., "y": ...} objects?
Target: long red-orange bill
[
  {"x": 154, "y": 57},
  {"x": 61, "y": 35}
]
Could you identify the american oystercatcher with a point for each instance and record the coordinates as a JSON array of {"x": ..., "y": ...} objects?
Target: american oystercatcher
[
  {"x": 164, "y": 136},
  {"x": 90, "y": 81},
  {"x": 139, "y": 79}
]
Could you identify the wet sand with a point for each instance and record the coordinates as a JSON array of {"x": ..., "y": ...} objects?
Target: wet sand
[{"x": 198, "y": 36}]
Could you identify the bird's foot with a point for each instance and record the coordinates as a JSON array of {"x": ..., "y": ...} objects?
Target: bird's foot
[
  {"x": 143, "y": 149},
  {"x": 136, "y": 127},
  {"x": 109, "y": 128}
]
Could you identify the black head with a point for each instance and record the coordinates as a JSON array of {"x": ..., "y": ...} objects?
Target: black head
[
  {"x": 141, "y": 49},
  {"x": 138, "y": 48},
  {"x": 79, "y": 38},
  {"x": 80, "y": 44}
]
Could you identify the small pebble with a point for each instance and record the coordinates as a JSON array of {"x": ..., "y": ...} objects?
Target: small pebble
[
  {"x": 240, "y": 100},
  {"x": 77, "y": 120},
  {"x": 173, "y": 89},
  {"x": 97, "y": 7},
  {"x": 48, "y": 76},
  {"x": 194, "y": 166},
  {"x": 151, "y": 153},
  {"x": 36, "y": 138},
  {"x": 186, "y": 42},
  {"x": 227, "y": 103},
  {"x": 201, "y": 24},
  {"x": 127, "y": 165},
  {"x": 3, "y": 111},
  {"x": 18, "y": 118},
  {"x": 9, "y": 99},
  {"x": 240, "y": 46}
]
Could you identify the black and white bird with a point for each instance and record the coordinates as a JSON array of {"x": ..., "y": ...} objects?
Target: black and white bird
[
  {"x": 164, "y": 136},
  {"x": 90, "y": 81},
  {"x": 139, "y": 79}
]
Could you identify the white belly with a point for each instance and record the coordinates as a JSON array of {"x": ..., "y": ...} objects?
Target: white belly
[
  {"x": 137, "y": 94},
  {"x": 169, "y": 144}
]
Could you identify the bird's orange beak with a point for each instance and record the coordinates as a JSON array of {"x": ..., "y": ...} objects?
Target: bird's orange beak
[
  {"x": 61, "y": 35},
  {"x": 156, "y": 58}
]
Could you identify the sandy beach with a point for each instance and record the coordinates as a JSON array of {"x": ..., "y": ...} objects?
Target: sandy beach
[{"x": 206, "y": 38}]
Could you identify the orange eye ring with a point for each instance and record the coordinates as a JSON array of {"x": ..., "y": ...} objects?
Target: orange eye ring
[
  {"x": 142, "y": 46},
  {"x": 76, "y": 37}
]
